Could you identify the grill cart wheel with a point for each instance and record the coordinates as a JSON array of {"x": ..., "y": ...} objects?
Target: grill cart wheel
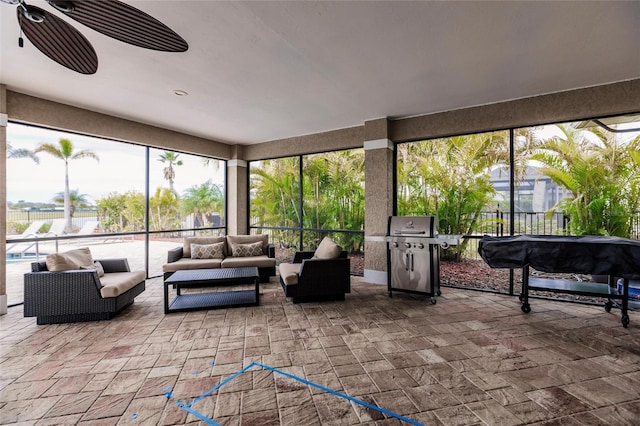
[{"x": 625, "y": 320}]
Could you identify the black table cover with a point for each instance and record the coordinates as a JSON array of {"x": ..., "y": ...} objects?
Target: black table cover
[{"x": 570, "y": 254}]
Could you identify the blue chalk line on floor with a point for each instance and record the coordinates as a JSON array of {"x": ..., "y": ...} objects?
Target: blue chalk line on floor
[{"x": 188, "y": 407}]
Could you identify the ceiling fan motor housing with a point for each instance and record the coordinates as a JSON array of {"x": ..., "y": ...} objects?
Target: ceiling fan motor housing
[
  {"x": 63, "y": 6},
  {"x": 33, "y": 14}
]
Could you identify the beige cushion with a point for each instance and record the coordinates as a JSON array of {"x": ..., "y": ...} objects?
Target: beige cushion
[
  {"x": 69, "y": 260},
  {"x": 262, "y": 261},
  {"x": 116, "y": 283},
  {"x": 327, "y": 249},
  {"x": 207, "y": 251},
  {"x": 233, "y": 240},
  {"x": 186, "y": 249},
  {"x": 188, "y": 263},
  {"x": 248, "y": 250},
  {"x": 289, "y": 272}
]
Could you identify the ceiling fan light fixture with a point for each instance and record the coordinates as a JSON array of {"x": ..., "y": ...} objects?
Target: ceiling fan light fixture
[
  {"x": 180, "y": 93},
  {"x": 63, "y": 6}
]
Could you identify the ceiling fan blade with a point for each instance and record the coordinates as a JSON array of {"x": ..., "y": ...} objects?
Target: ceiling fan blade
[
  {"x": 123, "y": 22},
  {"x": 58, "y": 40}
]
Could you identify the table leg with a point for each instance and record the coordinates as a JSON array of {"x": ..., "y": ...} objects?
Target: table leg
[
  {"x": 166, "y": 297},
  {"x": 257, "y": 283},
  {"x": 611, "y": 281},
  {"x": 625, "y": 302},
  {"x": 526, "y": 308}
]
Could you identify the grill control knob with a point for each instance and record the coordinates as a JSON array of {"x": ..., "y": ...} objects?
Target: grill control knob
[
  {"x": 407, "y": 245},
  {"x": 420, "y": 246},
  {"x": 395, "y": 244}
]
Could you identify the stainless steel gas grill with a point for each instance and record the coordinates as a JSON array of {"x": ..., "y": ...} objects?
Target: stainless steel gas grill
[{"x": 413, "y": 255}]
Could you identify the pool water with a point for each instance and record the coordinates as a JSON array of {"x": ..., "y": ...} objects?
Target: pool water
[{"x": 24, "y": 257}]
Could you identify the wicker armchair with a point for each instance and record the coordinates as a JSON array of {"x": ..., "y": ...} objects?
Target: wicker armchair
[
  {"x": 79, "y": 295},
  {"x": 308, "y": 279}
]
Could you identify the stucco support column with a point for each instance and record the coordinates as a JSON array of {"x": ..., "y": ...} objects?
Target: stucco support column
[
  {"x": 3, "y": 198},
  {"x": 378, "y": 173},
  {"x": 237, "y": 194}
]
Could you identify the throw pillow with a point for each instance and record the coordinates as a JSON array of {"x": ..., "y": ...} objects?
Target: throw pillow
[
  {"x": 186, "y": 249},
  {"x": 247, "y": 250},
  {"x": 99, "y": 268},
  {"x": 69, "y": 260},
  {"x": 207, "y": 251},
  {"x": 327, "y": 249},
  {"x": 90, "y": 268},
  {"x": 234, "y": 240}
]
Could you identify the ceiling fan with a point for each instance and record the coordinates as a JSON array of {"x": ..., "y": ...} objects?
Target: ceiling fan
[{"x": 64, "y": 44}]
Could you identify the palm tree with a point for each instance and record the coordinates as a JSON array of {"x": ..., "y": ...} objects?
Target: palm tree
[
  {"x": 76, "y": 200},
  {"x": 203, "y": 199},
  {"x": 275, "y": 192},
  {"x": 275, "y": 197},
  {"x": 171, "y": 159},
  {"x": 21, "y": 153},
  {"x": 64, "y": 151}
]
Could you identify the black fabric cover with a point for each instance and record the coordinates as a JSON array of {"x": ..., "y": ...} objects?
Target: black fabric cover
[{"x": 556, "y": 253}]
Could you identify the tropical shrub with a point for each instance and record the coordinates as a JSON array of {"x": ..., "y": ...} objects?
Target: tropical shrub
[
  {"x": 602, "y": 172},
  {"x": 451, "y": 178},
  {"x": 333, "y": 198},
  {"x": 164, "y": 210},
  {"x": 201, "y": 201},
  {"x": 122, "y": 212},
  {"x": 333, "y": 188}
]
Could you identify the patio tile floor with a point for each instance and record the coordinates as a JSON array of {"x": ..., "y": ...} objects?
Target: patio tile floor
[{"x": 472, "y": 359}]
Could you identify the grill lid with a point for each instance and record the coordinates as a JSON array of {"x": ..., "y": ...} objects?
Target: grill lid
[{"x": 415, "y": 226}]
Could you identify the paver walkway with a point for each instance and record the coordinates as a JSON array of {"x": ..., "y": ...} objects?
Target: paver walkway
[{"x": 472, "y": 359}]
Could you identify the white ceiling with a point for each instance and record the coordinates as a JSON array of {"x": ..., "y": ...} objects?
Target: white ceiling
[{"x": 260, "y": 70}]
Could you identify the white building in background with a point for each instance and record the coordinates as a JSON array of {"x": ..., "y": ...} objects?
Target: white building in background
[{"x": 535, "y": 194}]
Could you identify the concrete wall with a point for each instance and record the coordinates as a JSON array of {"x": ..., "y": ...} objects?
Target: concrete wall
[
  {"x": 351, "y": 137},
  {"x": 31, "y": 110},
  {"x": 600, "y": 101},
  {"x": 3, "y": 199},
  {"x": 379, "y": 197},
  {"x": 237, "y": 197}
]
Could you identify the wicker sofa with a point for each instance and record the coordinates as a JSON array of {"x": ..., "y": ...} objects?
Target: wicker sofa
[
  {"x": 323, "y": 274},
  {"x": 81, "y": 294},
  {"x": 231, "y": 251}
]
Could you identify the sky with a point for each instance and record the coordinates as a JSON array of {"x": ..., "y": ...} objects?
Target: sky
[{"x": 121, "y": 167}]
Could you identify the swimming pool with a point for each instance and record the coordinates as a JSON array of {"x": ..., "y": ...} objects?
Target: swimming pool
[{"x": 24, "y": 257}]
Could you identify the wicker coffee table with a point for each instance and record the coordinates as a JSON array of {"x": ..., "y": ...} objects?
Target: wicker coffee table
[{"x": 212, "y": 278}]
